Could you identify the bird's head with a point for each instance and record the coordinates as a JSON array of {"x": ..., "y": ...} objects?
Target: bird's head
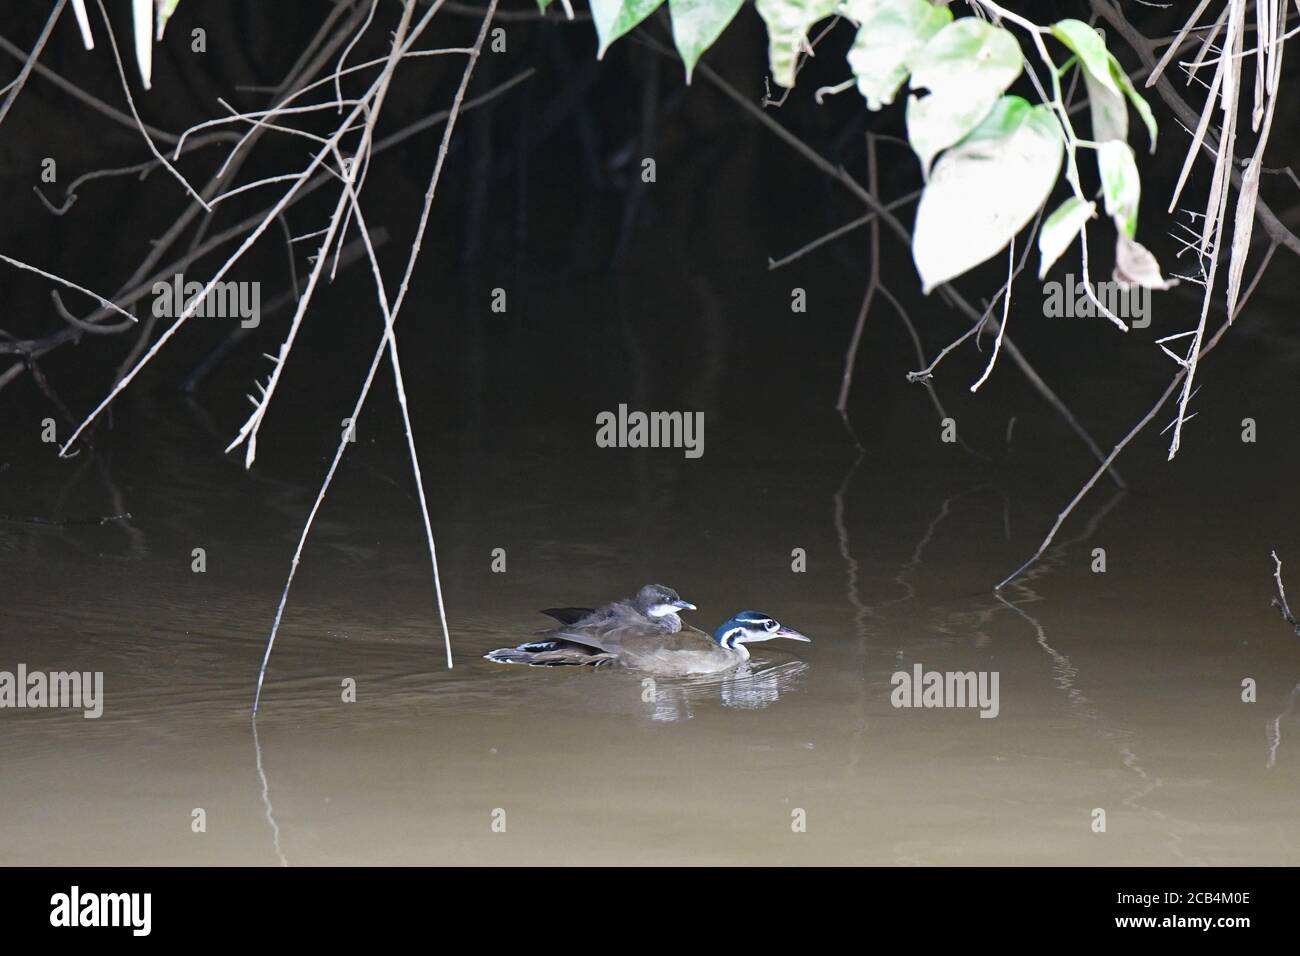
[
  {"x": 655, "y": 600},
  {"x": 749, "y": 627}
]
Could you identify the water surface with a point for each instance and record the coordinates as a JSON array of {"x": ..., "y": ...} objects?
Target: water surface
[{"x": 1119, "y": 691}]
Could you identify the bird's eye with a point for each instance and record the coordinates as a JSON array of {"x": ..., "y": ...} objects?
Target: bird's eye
[{"x": 770, "y": 625}]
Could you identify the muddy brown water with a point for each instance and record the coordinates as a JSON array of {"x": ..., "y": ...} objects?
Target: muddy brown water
[{"x": 1119, "y": 691}]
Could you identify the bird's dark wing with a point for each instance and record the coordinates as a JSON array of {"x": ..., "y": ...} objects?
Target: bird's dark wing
[
  {"x": 596, "y": 637},
  {"x": 567, "y": 615},
  {"x": 605, "y": 629},
  {"x": 613, "y": 634}
]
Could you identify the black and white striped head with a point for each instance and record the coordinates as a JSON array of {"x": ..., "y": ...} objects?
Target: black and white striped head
[{"x": 750, "y": 627}]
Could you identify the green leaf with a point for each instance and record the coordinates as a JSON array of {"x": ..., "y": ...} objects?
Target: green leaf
[
  {"x": 1141, "y": 105},
  {"x": 890, "y": 32},
  {"x": 1120, "y": 184},
  {"x": 966, "y": 66},
  {"x": 1107, "y": 83},
  {"x": 543, "y": 4},
  {"x": 1105, "y": 100},
  {"x": 984, "y": 190},
  {"x": 1059, "y": 230},
  {"x": 613, "y": 18},
  {"x": 1108, "y": 110},
  {"x": 1107, "y": 87},
  {"x": 1090, "y": 47},
  {"x": 788, "y": 23},
  {"x": 165, "y": 11},
  {"x": 697, "y": 24}
]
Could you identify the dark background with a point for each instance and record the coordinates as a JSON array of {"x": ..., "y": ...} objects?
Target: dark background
[
  {"x": 1122, "y": 690},
  {"x": 541, "y": 189},
  {"x": 658, "y": 296}
]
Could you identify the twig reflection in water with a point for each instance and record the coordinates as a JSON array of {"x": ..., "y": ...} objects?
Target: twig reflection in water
[
  {"x": 1066, "y": 674},
  {"x": 266, "y": 798},
  {"x": 1273, "y": 729}
]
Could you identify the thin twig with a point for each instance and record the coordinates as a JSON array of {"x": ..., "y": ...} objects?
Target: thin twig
[
  {"x": 839, "y": 231},
  {"x": 247, "y": 243},
  {"x": 1006, "y": 311},
  {"x": 73, "y": 90},
  {"x": 389, "y": 344},
  {"x": 130, "y": 101},
  {"x": 141, "y": 286},
  {"x": 1279, "y": 601},
  {"x": 1273, "y": 226},
  {"x": 371, "y": 106},
  {"x": 895, "y": 226},
  {"x": 1136, "y": 429},
  {"x": 873, "y": 280},
  {"x": 17, "y": 86},
  {"x": 105, "y": 303}
]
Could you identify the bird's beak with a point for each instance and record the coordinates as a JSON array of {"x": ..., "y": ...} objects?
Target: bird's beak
[
  {"x": 685, "y": 606},
  {"x": 791, "y": 634}
]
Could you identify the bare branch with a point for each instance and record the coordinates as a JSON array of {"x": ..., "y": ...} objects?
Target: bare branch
[
  {"x": 130, "y": 101},
  {"x": 1279, "y": 601},
  {"x": 1136, "y": 430},
  {"x": 389, "y": 344},
  {"x": 17, "y": 86}
]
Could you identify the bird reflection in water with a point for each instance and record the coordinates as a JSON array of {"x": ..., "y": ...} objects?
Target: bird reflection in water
[{"x": 753, "y": 685}]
